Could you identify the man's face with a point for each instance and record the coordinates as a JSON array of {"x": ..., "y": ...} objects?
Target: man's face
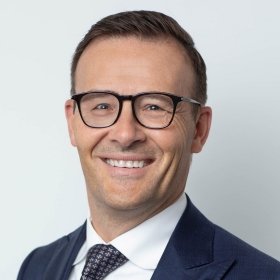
[{"x": 128, "y": 66}]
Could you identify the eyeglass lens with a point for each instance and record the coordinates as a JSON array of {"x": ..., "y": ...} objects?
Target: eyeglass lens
[{"x": 102, "y": 109}]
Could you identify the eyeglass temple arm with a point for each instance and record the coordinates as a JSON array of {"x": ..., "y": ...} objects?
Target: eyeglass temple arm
[{"x": 190, "y": 100}]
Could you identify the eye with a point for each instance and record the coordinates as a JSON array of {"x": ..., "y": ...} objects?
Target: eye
[
  {"x": 102, "y": 106},
  {"x": 153, "y": 108}
]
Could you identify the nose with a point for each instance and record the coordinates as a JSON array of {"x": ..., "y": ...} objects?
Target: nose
[{"x": 127, "y": 131}]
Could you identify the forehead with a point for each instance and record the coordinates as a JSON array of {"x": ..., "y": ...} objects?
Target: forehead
[{"x": 131, "y": 65}]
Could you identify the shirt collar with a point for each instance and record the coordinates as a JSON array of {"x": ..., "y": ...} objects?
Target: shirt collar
[{"x": 144, "y": 244}]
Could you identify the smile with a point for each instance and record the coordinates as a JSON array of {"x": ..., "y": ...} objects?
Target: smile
[{"x": 127, "y": 163}]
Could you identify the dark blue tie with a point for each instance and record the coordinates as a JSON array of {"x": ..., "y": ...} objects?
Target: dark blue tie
[{"x": 101, "y": 260}]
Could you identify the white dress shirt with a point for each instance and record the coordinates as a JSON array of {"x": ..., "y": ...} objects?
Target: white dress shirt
[{"x": 142, "y": 245}]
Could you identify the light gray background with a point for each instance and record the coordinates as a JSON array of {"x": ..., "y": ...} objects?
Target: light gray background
[{"x": 234, "y": 181}]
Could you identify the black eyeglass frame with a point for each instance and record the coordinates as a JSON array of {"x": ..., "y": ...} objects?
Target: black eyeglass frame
[{"x": 175, "y": 98}]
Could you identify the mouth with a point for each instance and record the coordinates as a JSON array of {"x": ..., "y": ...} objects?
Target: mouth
[{"x": 128, "y": 163}]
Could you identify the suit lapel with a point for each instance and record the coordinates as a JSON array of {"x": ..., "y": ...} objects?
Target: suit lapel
[
  {"x": 189, "y": 252},
  {"x": 61, "y": 262}
]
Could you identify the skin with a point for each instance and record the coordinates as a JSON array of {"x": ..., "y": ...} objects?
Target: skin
[{"x": 122, "y": 198}]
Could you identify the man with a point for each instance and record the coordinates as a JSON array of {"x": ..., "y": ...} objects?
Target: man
[{"x": 136, "y": 116}]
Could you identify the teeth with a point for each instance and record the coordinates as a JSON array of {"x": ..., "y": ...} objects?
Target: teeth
[{"x": 127, "y": 164}]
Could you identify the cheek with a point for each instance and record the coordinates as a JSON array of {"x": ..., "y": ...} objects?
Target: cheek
[
  {"x": 180, "y": 146},
  {"x": 180, "y": 135},
  {"x": 175, "y": 145},
  {"x": 174, "y": 141},
  {"x": 86, "y": 137},
  {"x": 185, "y": 128}
]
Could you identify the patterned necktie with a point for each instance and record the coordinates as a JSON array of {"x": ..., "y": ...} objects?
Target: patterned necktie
[{"x": 101, "y": 260}]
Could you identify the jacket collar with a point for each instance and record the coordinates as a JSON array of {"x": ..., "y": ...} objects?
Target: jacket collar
[
  {"x": 189, "y": 252},
  {"x": 61, "y": 262}
]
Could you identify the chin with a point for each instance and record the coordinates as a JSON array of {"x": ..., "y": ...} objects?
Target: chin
[{"x": 127, "y": 200}]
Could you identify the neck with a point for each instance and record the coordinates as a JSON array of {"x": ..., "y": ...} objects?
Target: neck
[{"x": 109, "y": 222}]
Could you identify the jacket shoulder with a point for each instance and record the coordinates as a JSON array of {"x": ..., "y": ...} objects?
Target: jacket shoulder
[
  {"x": 36, "y": 263},
  {"x": 252, "y": 262}
]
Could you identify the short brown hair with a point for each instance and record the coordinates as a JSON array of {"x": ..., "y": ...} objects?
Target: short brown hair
[{"x": 147, "y": 25}]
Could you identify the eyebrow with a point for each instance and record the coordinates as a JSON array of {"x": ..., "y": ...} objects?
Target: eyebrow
[{"x": 102, "y": 90}]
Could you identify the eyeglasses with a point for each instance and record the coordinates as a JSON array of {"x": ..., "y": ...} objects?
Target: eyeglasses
[{"x": 99, "y": 109}]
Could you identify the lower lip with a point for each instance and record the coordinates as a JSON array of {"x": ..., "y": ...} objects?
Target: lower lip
[{"x": 123, "y": 171}]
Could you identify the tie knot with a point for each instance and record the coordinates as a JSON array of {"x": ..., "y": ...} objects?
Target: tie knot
[{"x": 101, "y": 260}]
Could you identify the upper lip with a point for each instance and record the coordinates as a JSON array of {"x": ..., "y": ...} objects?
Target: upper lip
[{"x": 128, "y": 157}]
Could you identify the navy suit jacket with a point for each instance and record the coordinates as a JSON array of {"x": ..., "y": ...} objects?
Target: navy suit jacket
[{"x": 197, "y": 250}]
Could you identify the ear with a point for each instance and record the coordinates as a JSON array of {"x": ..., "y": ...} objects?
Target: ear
[
  {"x": 70, "y": 117},
  {"x": 202, "y": 129}
]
